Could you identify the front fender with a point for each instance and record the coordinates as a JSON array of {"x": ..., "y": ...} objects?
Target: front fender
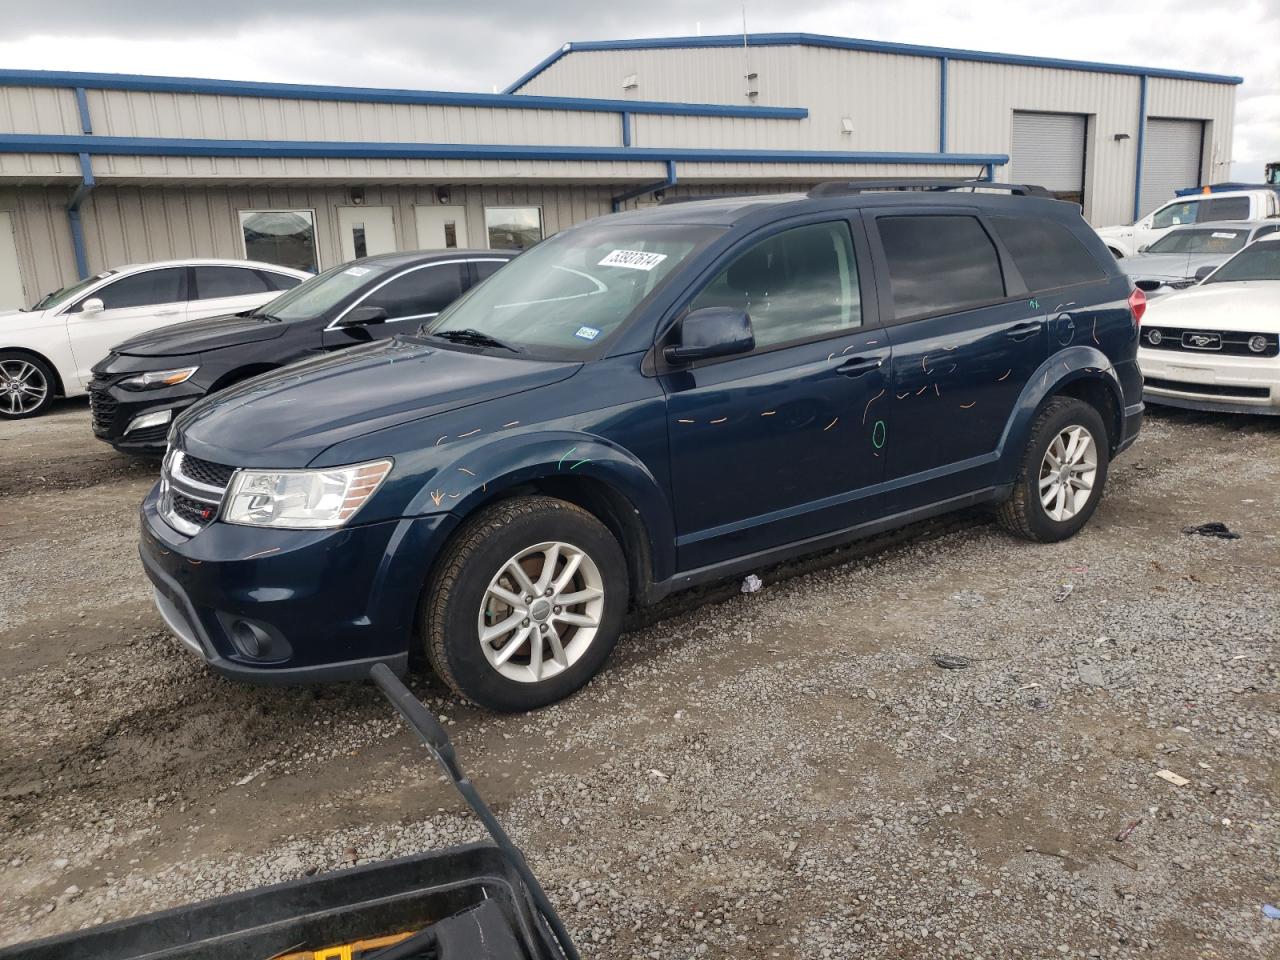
[
  {"x": 1063, "y": 368},
  {"x": 478, "y": 475}
]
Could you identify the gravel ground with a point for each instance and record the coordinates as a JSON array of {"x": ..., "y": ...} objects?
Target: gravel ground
[{"x": 782, "y": 774}]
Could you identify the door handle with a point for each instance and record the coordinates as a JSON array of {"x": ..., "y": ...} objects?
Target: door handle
[
  {"x": 1020, "y": 331},
  {"x": 857, "y": 366}
]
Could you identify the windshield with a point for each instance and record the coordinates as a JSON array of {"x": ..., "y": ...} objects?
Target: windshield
[
  {"x": 1258, "y": 261},
  {"x": 570, "y": 293},
  {"x": 313, "y": 297},
  {"x": 59, "y": 297},
  {"x": 1208, "y": 241}
]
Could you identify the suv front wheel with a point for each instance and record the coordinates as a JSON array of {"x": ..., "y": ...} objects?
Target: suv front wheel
[
  {"x": 1062, "y": 473},
  {"x": 526, "y": 604}
]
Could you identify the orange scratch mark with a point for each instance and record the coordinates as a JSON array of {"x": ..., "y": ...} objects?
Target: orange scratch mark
[
  {"x": 869, "y": 403},
  {"x": 454, "y": 496},
  {"x": 831, "y": 424},
  {"x": 1005, "y": 376},
  {"x": 966, "y": 406},
  {"x": 262, "y": 553},
  {"x": 437, "y": 496},
  {"x": 469, "y": 433}
]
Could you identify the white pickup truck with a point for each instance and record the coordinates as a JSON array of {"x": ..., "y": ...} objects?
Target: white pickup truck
[{"x": 1193, "y": 208}]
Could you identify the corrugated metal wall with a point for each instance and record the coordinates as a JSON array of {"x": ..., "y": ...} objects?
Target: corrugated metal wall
[{"x": 43, "y": 236}]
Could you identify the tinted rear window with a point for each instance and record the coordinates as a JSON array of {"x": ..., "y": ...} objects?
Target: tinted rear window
[
  {"x": 1223, "y": 208},
  {"x": 940, "y": 264},
  {"x": 1047, "y": 254}
]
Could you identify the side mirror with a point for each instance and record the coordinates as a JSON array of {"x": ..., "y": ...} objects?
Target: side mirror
[
  {"x": 1204, "y": 271},
  {"x": 92, "y": 305},
  {"x": 711, "y": 332},
  {"x": 364, "y": 317},
  {"x": 1144, "y": 248}
]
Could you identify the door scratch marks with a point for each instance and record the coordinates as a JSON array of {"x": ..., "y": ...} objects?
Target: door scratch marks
[
  {"x": 831, "y": 424},
  {"x": 1005, "y": 375},
  {"x": 966, "y": 406},
  {"x": 867, "y": 408}
]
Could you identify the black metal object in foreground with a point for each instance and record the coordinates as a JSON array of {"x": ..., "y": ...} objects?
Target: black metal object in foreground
[{"x": 437, "y": 741}]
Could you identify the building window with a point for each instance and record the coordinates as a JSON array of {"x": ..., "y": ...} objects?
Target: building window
[
  {"x": 513, "y": 228},
  {"x": 283, "y": 237}
]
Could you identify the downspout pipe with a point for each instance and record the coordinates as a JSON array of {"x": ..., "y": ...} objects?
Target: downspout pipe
[
  {"x": 648, "y": 188},
  {"x": 82, "y": 191}
]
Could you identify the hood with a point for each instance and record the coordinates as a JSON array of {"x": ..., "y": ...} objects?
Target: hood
[
  {"x": 1114, "y": 233},
  {"x": 197, "y": 336},
  {"x": 1172, "y": 266},
  {"x": 11, "y": 321},
  {"x": 286, "y": 418},
  {"x": 1250, "y": 306}
]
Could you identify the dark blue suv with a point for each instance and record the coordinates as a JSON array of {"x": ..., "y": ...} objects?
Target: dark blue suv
[{"x": 642, "y": 403}]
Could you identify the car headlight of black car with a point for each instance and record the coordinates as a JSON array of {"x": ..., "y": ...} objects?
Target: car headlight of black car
[{"x": 155, "y": 379}]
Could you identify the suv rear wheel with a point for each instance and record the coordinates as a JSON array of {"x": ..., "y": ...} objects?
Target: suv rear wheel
[
  {"x": 1062, "y": 474},
  {"x": 526, "y": 604}
]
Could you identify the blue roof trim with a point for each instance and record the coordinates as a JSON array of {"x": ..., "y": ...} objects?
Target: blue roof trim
[
  {"x": 177, "y": 147},
  {"x": 301, "y": 91},
  {"x": 869, "y": 46}
]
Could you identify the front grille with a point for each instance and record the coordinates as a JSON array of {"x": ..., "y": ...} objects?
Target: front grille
[
  {"x": 191, "y": 491},
  {"x": 1233, "y": 343},
  {"x": 1209, "y": 389},
  {"x": 202, "y": 471},
  {"x": 102, "y": 408}
]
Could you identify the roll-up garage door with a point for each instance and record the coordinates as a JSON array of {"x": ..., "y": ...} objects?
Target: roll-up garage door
[
  {"x": 1171, "y": 160},
  {"x": 1048, "y": 150}
]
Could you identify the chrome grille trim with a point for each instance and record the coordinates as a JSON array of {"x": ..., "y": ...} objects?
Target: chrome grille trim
[{"x": 173, "y": 482}]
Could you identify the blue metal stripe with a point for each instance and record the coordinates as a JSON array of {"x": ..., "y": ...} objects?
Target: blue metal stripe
[
  {"x": 1142, "y": 148},
  {"x": 943, "y": 63},
  {"x": 537, "y": 69},
  {"x": 82, "y": 104},
  {"x": 174, "y": 147},
  {"x": 298, "y": 91},
  {"x": 626, "y": 129},
  {"x": 879, "y": 46}
]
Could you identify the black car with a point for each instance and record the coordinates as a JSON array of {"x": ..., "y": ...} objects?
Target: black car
[{"x": 145, "y": 382}]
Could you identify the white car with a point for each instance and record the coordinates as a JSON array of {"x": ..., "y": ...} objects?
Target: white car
[
  {"x": 48, "y": 349},
  {"x": 1196, "y": 208},
  {"x": 1216, "y": 346}
]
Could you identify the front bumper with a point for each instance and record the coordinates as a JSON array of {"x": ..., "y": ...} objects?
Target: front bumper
[
  {"x": 291, "y": 606},
  {"x": 1223, "y": 383},
  {"x": 114, "y": 409}
]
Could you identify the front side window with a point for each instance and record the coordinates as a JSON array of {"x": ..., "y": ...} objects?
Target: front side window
[
  {"x": 420, "y": 293},
  {"x": 213, "y": 283},
  {"x": 1175, "y": 214},
  {"x": 1047, "y": 254},
  {"x": 795, "y": 285},
  {"x": 319, "y": 295},
  {"x": 569, "y": 295},
  {"x": 147, "y": 289},
  {"x": 513, "y": 228},
  {"x": 1209, "y": 240},
  {"x": 939, "y": 264},
  {"x": 1224, "y": 208},
  {"x": 286, "y": 237},
  {"x": 1258, "y": 261}
]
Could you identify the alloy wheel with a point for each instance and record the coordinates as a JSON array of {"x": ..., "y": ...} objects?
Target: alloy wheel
[
  {"x": 541, "y": 611},
  {"x": 1067, "y": 473},
  {"x": 22, "y": 387}
]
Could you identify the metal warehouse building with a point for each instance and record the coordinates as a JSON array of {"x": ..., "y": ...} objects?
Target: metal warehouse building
[{"x": 98, "y": 170}]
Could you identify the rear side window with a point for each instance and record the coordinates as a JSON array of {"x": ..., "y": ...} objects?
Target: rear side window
[
  {"x": 487, "y": 268},
  {"x": 1223, "y": 208},
  {"x": 213, "y": 283},
  {"x": 147, "y": 289},
  {"x": 420, "y": 293},
  {"x": 1047, "y": 254},
  {"x": 279, "y": 281},
  {"x": 940, "y": 264}
]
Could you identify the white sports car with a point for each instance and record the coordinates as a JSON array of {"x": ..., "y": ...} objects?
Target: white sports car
[
  {"x": 48, "y": 349},
  {"x": 1216, "y": 346}
]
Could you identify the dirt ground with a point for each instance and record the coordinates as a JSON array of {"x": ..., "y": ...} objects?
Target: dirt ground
[{"x": 782, "y": 774}]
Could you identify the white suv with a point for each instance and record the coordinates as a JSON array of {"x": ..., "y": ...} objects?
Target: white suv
[
  {"x": 1194, "y": 208},
  {"x": 48, "y": 349}
]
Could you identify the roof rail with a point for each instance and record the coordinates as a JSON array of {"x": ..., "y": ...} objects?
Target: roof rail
[{"x": 835, "y": 188}]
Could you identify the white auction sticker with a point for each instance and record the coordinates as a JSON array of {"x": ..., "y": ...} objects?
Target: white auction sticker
[
  {"x": 356, "y": 271},
  {"x": 632, "y": 259},
  {"x": 1224, "y": 236}
]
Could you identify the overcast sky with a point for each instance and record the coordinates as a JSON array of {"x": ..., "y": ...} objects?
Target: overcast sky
[{"x": 483, "y": 44}]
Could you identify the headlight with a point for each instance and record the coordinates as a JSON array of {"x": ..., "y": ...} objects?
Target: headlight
[
  {"x": 159, "y": 378},
  {"x": 302, "y": 498}
]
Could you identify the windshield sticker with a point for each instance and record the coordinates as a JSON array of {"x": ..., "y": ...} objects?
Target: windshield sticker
[
  {"x": 632, "y": 259},
  {"x": 1224, "y": 236},
  {"x": 587, "y": 333},
  {"x": 356, "y": 271}
]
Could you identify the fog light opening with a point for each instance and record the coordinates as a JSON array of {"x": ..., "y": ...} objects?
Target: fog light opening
[{"x": 250, "y": 641}]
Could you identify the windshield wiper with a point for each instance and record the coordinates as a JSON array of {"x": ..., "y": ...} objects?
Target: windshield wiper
[{"x": 477, "y": 338}]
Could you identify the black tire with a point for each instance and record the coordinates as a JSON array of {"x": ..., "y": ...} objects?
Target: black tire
[
  {"x": 12, "y": 361},
  {"x": 459, "y": 585},
  {"x": 1023, "y": 513}
]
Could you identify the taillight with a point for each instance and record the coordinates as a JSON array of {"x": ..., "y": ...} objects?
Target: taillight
[{"x": 1137, "y": 305}]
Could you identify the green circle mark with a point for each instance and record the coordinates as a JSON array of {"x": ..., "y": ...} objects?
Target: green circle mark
[{"x": 877, "y": 434}]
